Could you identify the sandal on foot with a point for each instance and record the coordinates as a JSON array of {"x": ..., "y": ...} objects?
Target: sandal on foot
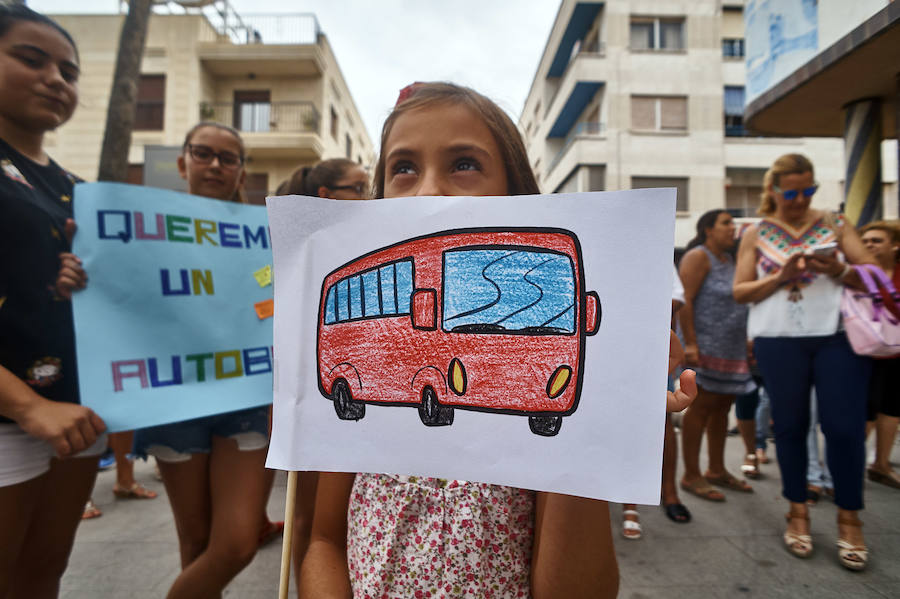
[
  {"x": 90, "y": 511},
  {"x": 677, "y": 512},
  {"x": 799, "y": 545},
  {"x": 750, "y": 467},
  {"x": 853, "y": 557},
  {"x": 702, "y": 489},
  {"x": 135, "y": 491},
  {"x": 762, "y": 457},
  {"x": 631, "y": 529},
  {"x": 891, "y": 479},
  {"x": 728, "y": 481},
  {"x": 269, "y": 532}
]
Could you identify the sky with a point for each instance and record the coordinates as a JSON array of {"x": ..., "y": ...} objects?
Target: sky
[{"x": 381, "y": 46}]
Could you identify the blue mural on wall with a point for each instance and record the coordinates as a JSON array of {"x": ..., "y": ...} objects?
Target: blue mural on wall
[{"x": 781, "y": 36}]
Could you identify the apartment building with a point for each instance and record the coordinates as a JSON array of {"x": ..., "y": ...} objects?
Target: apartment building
[
  {"x": 650, "y": 93},
  {"x": 272, "y": 77}
]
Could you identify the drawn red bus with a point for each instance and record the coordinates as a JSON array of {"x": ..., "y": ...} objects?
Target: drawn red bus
[{"x": 492, "y": 320}]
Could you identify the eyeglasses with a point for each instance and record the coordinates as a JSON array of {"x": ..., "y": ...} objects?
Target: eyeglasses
[
  {"x": 205, "y": 155},
  {"x": 358, "y": 188},
  {"x": 791, "y": 194}
]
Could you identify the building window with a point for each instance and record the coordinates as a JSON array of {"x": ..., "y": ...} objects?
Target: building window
[
  {"x": 256, "y": 188},
  {"x": 734, "y": 111},
  {"x": 596, "y": 177},
  {"x": 252, "y": 110},
  {"x": 149, "y": 112},
  {"x": 743, "y": 186},
  {"x": 733, "y": 48},
  {"x": 349, "y": 144},
  {"x": 679, "y": 183},
  {"x": 659, "y": 113},
  {"x": 654, "y": 33},
  {"x": 334, "y": 123}
]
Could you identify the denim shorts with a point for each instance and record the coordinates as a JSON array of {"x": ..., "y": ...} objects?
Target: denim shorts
[{"x": 176, "y": 442}]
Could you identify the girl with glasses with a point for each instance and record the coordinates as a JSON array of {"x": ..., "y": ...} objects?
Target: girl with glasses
[
  {"x": 791, "y": 269},
  {"x": 338, "y": 179}
]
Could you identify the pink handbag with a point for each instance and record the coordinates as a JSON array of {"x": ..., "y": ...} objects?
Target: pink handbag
[{"x": 871, "y": 328}]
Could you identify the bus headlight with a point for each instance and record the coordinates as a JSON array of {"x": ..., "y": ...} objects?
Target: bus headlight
[
  {"x": 456, "y": 375},
  {"x": 558, "y": 382}
]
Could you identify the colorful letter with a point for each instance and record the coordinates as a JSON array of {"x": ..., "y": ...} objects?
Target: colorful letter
[
  {"x": 260, "y": 236},
  {"x": 200, "y": 359},
  {"x": 154, "y": 373},
  {"x": 202, "y": 230},
  {"x": 119, "y": 373},
  {"x": 166, "y": 285},
  {"x": 202, "y": 278},
  {"x": 124, "y": 234},
  {"x": 220, "y": 364},
  {"x": 141, "y": 233},
  {"x": 229, "y": 240},
  {"x": 176, "y": 225},
  {"x": 257, "y": 355}
]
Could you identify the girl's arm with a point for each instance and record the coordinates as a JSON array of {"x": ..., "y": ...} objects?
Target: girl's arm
[
  {"x": 573, "y": 554},
  {"x": 68, "y": 427},
  {"x": 692, "y": 272},
  {"x": 747, "y": 288},
  {"x": 324, "y": 573}
]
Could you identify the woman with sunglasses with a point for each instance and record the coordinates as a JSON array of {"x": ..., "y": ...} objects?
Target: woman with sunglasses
[
  {"x": 213, "y": 467},
  {"x": 337, "y": 178},
  {"x": 792, "y": 267}
]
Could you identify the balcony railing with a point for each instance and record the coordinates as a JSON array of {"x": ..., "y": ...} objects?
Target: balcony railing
[
  {"x": 581, "y": 130},
  {"x": 291, "y": 28},
  {"x": 263, "y": 117}
]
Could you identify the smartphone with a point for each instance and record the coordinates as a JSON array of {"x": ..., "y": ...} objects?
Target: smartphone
[{"x": 825, "y": 249}]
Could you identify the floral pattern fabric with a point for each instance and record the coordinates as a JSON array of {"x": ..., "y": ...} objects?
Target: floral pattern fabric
[{"x": 411, "y": 537}]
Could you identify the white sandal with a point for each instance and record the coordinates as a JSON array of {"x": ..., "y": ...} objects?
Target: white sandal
[
  {"x": 631, "y": 529},
  {"x": 750, "y": 467}
]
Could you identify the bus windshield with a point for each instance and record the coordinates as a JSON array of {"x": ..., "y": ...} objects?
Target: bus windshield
[{"x": 520, "y": 291}]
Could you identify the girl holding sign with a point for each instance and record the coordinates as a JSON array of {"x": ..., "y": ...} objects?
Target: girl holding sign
[
  {"x": 213, "y": 467},
  {"x": 49, "y": 445},
  {"x": 445, "y": 140}
]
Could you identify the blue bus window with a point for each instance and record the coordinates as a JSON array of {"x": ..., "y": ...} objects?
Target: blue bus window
[
  {"x": 370, "y": 293},
  {"x": 404, "y": 285},
  {"x": 342, "y": 293},
  {"x": 356, "y": 309},
  {"x": 329, "y": 306},
  {"x": 388, "y": 290}
]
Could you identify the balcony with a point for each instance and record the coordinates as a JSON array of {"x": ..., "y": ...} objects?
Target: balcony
[
  {"x": 580, "y": 22},
  {"x": 580, "y": 131},
  {"x": 271, "y": 129}
]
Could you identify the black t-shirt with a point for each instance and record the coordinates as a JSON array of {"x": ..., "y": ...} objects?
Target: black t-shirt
[{"x": 37, "y": 336}]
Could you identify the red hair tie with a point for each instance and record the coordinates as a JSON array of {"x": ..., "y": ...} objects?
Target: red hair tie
[{"x": 408, "y": 91}]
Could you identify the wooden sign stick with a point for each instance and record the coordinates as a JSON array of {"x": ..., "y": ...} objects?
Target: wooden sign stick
[{"x": 289, "y": 504}]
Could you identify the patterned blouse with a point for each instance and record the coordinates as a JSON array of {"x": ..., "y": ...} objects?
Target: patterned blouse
[
  {"x": 807, "y": 305},
  {"x": 411, "y": 537}
]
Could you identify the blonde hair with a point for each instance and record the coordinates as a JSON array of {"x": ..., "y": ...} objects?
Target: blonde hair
[{"x": 787, "y": 164}]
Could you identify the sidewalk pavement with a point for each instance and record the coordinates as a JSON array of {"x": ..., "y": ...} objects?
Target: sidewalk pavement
[{"x": 730, "y": 549}]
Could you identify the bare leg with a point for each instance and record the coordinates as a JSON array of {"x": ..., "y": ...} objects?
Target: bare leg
[
  {"x": 693, "y": 423},
  {"x": 747, "y": 428},
  {"x": 17, "y": 508},
  {"x": 187, "y": 485},
  {"x": 670, "y": 465},
  {"x": 58, "y": 497},
  {"x": 307, "y": 482},
  {"x": 237, "y": 490},
  {"x": 716, "y": 433},
  {"x": 885, "y": 432}
]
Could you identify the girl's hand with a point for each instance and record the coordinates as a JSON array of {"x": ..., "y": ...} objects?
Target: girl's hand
[
  {"x": 71, "y": 275},
  {"x": 685, "y": 395},
  {"x": 68, "y": 427},
  {"x": 691, "y": 354}
]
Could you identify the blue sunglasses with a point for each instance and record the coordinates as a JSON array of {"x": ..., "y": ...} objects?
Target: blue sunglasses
[{"x": 791, "y": 194}]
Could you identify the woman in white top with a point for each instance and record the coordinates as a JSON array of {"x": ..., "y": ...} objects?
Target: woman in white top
[{"x": 791, "y": 268}]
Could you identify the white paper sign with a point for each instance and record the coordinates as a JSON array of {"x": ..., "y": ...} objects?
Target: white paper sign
[{"x": 520, "y": 340}]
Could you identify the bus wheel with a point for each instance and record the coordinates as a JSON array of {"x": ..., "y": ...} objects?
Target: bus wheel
[
  {"x": 432, "y": 412},
  {"x": 344, "y": 406},
  {"x": 546, "y": 426}
]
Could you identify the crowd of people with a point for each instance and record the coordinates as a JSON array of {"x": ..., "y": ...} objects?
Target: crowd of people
[{"x": 760, "y": 327}]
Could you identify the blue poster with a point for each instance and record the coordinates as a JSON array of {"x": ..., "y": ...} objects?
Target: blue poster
[{"x": 175, "y": 322}]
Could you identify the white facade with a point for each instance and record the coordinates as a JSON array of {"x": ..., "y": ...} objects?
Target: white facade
[{"x": 632, "y": 93}]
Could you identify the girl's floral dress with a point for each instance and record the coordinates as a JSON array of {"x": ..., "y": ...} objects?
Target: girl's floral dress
[{"x": 411, "y": 537}]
